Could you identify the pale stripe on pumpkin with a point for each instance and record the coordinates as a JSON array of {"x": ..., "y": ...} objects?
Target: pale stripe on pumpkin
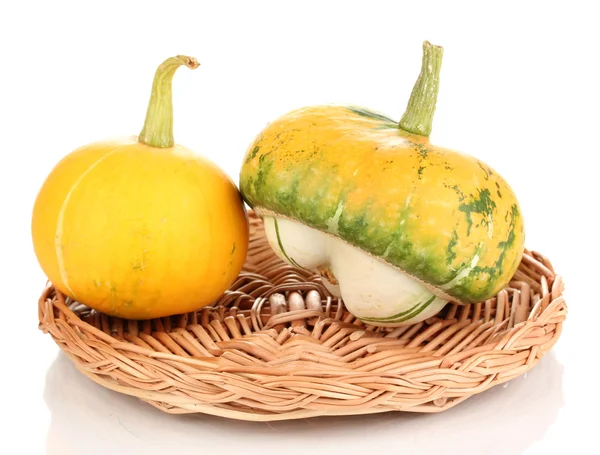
[{"x": 60, "y": 222}]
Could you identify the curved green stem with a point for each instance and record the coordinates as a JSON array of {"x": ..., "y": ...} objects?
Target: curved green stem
[
  {"x": 418, "y": 117},
  {"x": 158, "y": 126}
]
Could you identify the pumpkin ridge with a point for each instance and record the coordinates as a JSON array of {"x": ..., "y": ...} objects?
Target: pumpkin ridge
[{"x": 60, "y": 220}]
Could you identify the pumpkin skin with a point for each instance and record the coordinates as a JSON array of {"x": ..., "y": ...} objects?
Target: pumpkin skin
[
  {"x": 440, "y": 216},
  {"x": 140, "y": 227}
]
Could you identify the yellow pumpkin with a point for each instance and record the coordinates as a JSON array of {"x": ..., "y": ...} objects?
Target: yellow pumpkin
[{"x": 140, "y": 227}]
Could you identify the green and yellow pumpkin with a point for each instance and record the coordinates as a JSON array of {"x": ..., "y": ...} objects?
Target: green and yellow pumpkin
[{"x": 397, "y": 226}]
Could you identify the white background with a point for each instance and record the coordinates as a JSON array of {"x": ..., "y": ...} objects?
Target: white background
[{"x": 519, "y": 89}]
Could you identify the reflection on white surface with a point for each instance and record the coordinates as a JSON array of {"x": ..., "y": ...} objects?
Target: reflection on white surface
[{"x": 88, "y": 419}]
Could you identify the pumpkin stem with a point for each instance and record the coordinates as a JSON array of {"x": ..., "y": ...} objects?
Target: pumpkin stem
[
  {"x": 421, "y": 106},
  {"x": 158, "y": 126}
]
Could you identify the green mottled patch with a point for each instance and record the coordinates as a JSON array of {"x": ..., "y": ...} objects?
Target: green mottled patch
[
  {"x": 456, "y": 189},
  {"x": 309, "y": 213},
  {"x": 420, "y": 259},
  {"x": 422, "y": 149},
  {"x": 400, "y": 248},
  {"x": 264, "y": 168},
  {"x": 485, "y": 172},
  {"x": 353, "y": 227},
  {"x": 450, "y": 253},
  {"x": 482, "y": 205},
  {"x": 253, "y": 154},
  {"x": 247, "y": 189},
  {"x": 491, "y": 273},
  {"x": 287, "y": 196}
]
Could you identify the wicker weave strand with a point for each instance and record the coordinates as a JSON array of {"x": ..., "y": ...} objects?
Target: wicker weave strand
[{"x": 278, "y": 346}]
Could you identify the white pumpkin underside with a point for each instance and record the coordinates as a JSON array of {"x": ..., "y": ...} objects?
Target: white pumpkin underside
[{"x": 373, "y": 291}]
